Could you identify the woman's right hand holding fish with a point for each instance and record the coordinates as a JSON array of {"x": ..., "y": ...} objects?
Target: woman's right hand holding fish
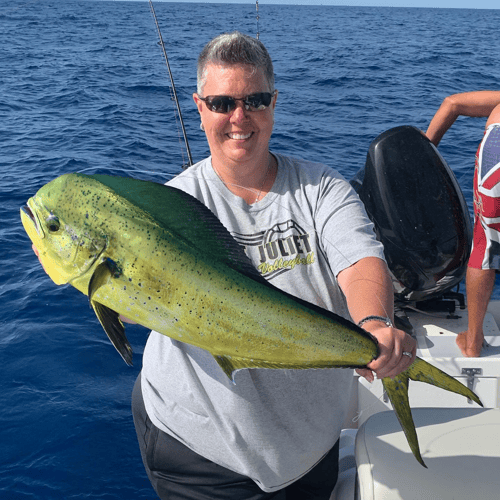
[{"x": 368, "y": 289}]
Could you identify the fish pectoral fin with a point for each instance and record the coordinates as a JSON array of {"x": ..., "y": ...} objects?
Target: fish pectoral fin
[
  {"x": 106, "y": 270},
  {"x": 397, "y": 390},
  {"x": 108, "y": 318},
  {"x": 114, "y": 329}
]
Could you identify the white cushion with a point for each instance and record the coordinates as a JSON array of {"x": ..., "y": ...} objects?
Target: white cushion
[{"x": 460, "y": 446}]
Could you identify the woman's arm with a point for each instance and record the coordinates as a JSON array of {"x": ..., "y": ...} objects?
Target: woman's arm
[{"x": 368, "y": 289}]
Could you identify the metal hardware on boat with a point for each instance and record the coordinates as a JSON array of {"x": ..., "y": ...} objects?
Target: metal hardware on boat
[
  {"x": 471, "y": 373},
  {"x": 385, "y": 397}
]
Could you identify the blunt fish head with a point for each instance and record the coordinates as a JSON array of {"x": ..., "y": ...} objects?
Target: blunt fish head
[{"x": 58, "y": 222}]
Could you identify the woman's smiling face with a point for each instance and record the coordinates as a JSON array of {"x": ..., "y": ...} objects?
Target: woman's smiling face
[{"x": 239, "y": 136}]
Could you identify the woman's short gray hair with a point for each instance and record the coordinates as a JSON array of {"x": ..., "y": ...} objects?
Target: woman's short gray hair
[{"x": 234, "y": 49}]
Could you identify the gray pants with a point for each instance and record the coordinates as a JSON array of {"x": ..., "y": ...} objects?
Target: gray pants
[{"x": 178, "y": 473}]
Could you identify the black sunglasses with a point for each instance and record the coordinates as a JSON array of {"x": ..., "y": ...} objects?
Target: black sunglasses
[{"x": 226, "y": 104}]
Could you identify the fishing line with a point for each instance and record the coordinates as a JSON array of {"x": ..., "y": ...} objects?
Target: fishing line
[
  {"x": 174, "y": 92},
  {"x": 360, "y": 413}
]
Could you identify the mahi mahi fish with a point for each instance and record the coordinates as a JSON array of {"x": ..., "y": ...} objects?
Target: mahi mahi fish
[{"x": 159, "y": 257}]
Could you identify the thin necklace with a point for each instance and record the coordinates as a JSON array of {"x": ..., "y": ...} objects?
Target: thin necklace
[
  {"x": 265, "y": 178},
  {"x": 263, "y": 182}
]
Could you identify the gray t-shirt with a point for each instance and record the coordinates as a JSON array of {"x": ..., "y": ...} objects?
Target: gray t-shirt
[{"x": 270, "y": 425}]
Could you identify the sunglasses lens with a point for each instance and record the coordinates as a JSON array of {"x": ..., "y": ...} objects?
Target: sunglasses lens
[
  {"x": 221, "y": 104},
  {"x": 258, "y": 102}
]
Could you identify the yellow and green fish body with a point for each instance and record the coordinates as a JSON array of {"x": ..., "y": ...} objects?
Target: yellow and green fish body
[
  {"x": 159, "y": 257},
  {"x": 174, "y": 276}
]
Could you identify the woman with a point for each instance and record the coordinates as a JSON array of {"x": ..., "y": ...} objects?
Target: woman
[{"x": 271, "y": 433}]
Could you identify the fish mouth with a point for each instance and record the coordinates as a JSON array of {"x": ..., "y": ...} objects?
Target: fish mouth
[
  {"x": 31, "y": 216},
  {"x": 26, "y": 209}
]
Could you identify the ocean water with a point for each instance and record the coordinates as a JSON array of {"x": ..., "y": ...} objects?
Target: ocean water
[{"x": 84, "y": 87}]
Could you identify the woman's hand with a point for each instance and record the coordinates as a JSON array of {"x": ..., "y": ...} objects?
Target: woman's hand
[{"x": 392, "y": 360}]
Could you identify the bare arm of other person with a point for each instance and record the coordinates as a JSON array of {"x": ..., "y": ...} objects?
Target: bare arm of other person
[
  {"x": 368, "y": 289},
  {"x": 474, "y": 104}
]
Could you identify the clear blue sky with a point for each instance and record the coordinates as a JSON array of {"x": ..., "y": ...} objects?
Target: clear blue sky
[{"x": 446, "y": 4}]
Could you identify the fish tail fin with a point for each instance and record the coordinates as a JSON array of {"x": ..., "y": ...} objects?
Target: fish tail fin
[
  {"x": 397, "y": 390},
  {"x": 422, "y": 371}
]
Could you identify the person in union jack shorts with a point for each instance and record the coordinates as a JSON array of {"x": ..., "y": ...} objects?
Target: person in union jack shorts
[{"x": 484, "y": 260}]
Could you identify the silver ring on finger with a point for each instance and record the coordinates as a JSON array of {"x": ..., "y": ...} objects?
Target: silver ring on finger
[{"x": 406, "y": 353}]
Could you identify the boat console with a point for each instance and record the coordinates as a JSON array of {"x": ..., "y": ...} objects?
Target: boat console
[{"x": 420, "y": 215}]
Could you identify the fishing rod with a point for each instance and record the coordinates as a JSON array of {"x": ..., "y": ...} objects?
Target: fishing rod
[
  {"x": 174, "y": 93},
  {"x": 258, "y": 17}
]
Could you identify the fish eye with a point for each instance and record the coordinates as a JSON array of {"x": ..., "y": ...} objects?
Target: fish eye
[{"x": 53, "y": 224}]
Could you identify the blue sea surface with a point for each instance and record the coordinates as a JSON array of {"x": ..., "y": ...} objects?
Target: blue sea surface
[{"x": 84, "y": 87}]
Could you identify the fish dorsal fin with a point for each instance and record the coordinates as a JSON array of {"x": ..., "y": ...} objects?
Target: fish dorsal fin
[
  {"x": 185, "y": 216},
  {"x": 108, "y": 318}
]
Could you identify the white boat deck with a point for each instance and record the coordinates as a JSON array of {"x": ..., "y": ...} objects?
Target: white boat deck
[{"x": 378, "y": 457}]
